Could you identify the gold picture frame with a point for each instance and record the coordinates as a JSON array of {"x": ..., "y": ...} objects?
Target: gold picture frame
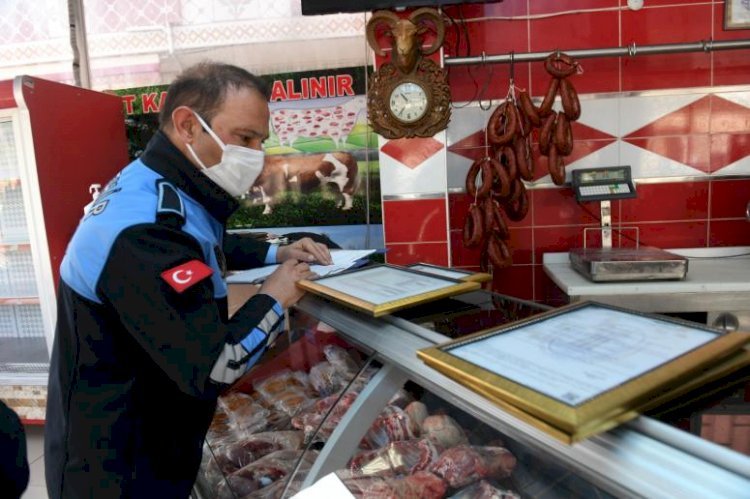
[
  {"x": 584, "y": 368},
  {"x": 736, "y": 14},
  {"x": 458, "y": 274},
  {"x": 382, "y": 289}
]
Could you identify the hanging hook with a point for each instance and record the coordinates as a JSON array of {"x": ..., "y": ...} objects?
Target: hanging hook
[
  {"x": 512, "y": 65},
  {"x": 484, "y": 87}
]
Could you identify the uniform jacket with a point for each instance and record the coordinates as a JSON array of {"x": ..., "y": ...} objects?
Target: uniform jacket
[{"x": 143, "y": 344}]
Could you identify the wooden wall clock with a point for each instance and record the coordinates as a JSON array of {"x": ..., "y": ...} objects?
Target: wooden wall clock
[{"x": 408, "y": 96}]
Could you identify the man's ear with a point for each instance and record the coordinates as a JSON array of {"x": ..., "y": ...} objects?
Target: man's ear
[{"x": 185, "y": 124}]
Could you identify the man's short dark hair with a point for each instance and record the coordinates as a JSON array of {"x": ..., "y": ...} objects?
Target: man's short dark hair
[{"x": 203, "y": 87}]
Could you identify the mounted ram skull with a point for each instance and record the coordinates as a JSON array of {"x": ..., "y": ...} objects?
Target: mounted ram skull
[{"x": 406, "y": 35}]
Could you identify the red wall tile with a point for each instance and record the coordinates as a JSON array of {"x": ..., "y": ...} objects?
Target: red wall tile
[
  {"x": 674, "y": 234},
  {"x": 404, "y": 254},
  {"x": 463, "y": 256},
  {"x": 728, "y": 148},
  {"x": 458, "y": 207},
  {"x": 728, "y": 117},
  {"x": 690, "y": 150},
  {"x": 674, "y": 201},
  {"x": 729, "y": 233},
  {"x": 521, "y": 245},
  {"x": 570, "y": 5},
  {"x": 422, "y": 220},
  {"x": 556, "y": 239},
  {"x": 559, "y": 207},
  {"x": 730, "y": 67},
  {"x": 729, "y": 198},
  {"x": 517, "y": 280},
  {"x": 577, "y": 31},
  {"x": 673, "y": 24}
]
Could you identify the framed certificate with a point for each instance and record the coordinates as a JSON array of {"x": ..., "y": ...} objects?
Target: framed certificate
[
  {"x": 586, "y": 367},
  {"x": 382, "y": 289},
  {"x": 458, "y": 274}
]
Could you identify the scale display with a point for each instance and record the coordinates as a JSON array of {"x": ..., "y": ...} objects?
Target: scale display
[{"x": 599, "y": 184}]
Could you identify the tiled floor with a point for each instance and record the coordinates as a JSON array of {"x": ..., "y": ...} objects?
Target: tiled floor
[{"x": 35, "y": 448}]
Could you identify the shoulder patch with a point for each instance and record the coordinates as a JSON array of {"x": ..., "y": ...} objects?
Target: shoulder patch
[
  {"x": 170, "y": 210},
  {"x": 184, "y": 276}
]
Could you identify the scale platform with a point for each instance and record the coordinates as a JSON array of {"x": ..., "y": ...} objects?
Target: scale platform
[{"x": 628, "y": 264}]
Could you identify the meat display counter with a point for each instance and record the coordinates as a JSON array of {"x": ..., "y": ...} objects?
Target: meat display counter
[{"x": 346, "y": 394}]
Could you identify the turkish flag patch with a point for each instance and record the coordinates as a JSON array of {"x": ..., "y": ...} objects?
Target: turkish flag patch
[{"x": 185, "y": 275}]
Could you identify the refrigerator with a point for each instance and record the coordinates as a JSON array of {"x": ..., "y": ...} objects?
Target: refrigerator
[{"x": 57, "y": 143}]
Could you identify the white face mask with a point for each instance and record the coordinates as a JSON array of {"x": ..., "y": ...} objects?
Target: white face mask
[{"x": 238, "y": 168}]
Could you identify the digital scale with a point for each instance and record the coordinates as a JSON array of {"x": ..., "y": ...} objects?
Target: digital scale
[{"x": 608, "y": 264}]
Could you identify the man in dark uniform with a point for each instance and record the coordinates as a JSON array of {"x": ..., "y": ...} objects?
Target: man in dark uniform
[
  {"x": 14, "y": 462},
  {"x": 143, "y": 343}
]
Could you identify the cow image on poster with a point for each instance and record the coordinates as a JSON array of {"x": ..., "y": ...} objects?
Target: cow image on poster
[{"x": 305, "y": 173}]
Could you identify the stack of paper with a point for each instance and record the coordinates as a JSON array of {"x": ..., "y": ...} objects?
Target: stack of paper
[{"x": 342, "y": 260}]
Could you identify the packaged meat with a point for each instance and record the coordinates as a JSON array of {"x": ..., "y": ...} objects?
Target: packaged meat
[
  {"x": 237, "y": 455},
  {"x": 341, "y": 361},
  {"x": 309, "y": 421},
  {"x": 292, "y": 401},
  {"x": 245, "y": 415},
  {"x": 444, "y": 431},
  {"x": 421, "y": 485},
  {"x": 264, "y": 472},
  {"x": 417, "y": 411},
  {"x": 271, "y": 387},
  {"x": 498, "y": 461},
  {"x": 459, "y": 466},
  {"x": 325, "y": 379},
  {"x": 403, "y": 457},
  {"x": 484, "y": 490},
  {"x": 358, "y": 483},
  {"x": 464, "y": 464},
  {"x": 391, "y": 425}
]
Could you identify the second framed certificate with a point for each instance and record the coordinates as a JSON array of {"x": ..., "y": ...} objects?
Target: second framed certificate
[
  {"x": 584, "y": 368},
  {"x": 383, "y": 289}
]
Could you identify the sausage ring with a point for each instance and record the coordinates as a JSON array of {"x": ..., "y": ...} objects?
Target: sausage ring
[
  {"x": 569, "y": 97},
  {"x": 498, "y": 252},
  {"x": 560, "y": 65},
  {"x": 523, "y": 158},
  {"x": 473, "y": 231},
  {"x": 502, "y": 124},
  {"x": 529, "y": 109},
  {"x": 519, "y": 207},
  {"x": 545, "y": 108},
  {"x": 563, "y": 136}
]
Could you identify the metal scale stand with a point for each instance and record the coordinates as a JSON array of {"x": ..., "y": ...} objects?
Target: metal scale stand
[{"x": 608, "y": 264}]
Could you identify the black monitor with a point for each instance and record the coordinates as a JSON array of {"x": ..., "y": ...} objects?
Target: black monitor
[{"x": 314, "y": 7}]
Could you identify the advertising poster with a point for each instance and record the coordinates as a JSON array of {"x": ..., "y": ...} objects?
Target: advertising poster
[{"x": 321, "y": 170}]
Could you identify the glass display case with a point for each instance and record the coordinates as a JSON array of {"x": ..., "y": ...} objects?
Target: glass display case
[
  {"x": 346, "y": 394},
  {"x": 46, "y": 168}
]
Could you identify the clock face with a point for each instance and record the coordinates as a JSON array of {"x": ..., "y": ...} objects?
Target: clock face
[{"x": 408, "y": 102}]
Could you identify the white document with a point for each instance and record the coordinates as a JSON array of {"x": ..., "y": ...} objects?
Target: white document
[
  {"x": 330, "y": 486},
  {"x": 342, "y": 260}
]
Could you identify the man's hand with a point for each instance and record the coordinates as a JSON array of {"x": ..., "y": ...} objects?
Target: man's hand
[
  {"x": 281, "y": 285},
  {"x": 305, "y": 250}
]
